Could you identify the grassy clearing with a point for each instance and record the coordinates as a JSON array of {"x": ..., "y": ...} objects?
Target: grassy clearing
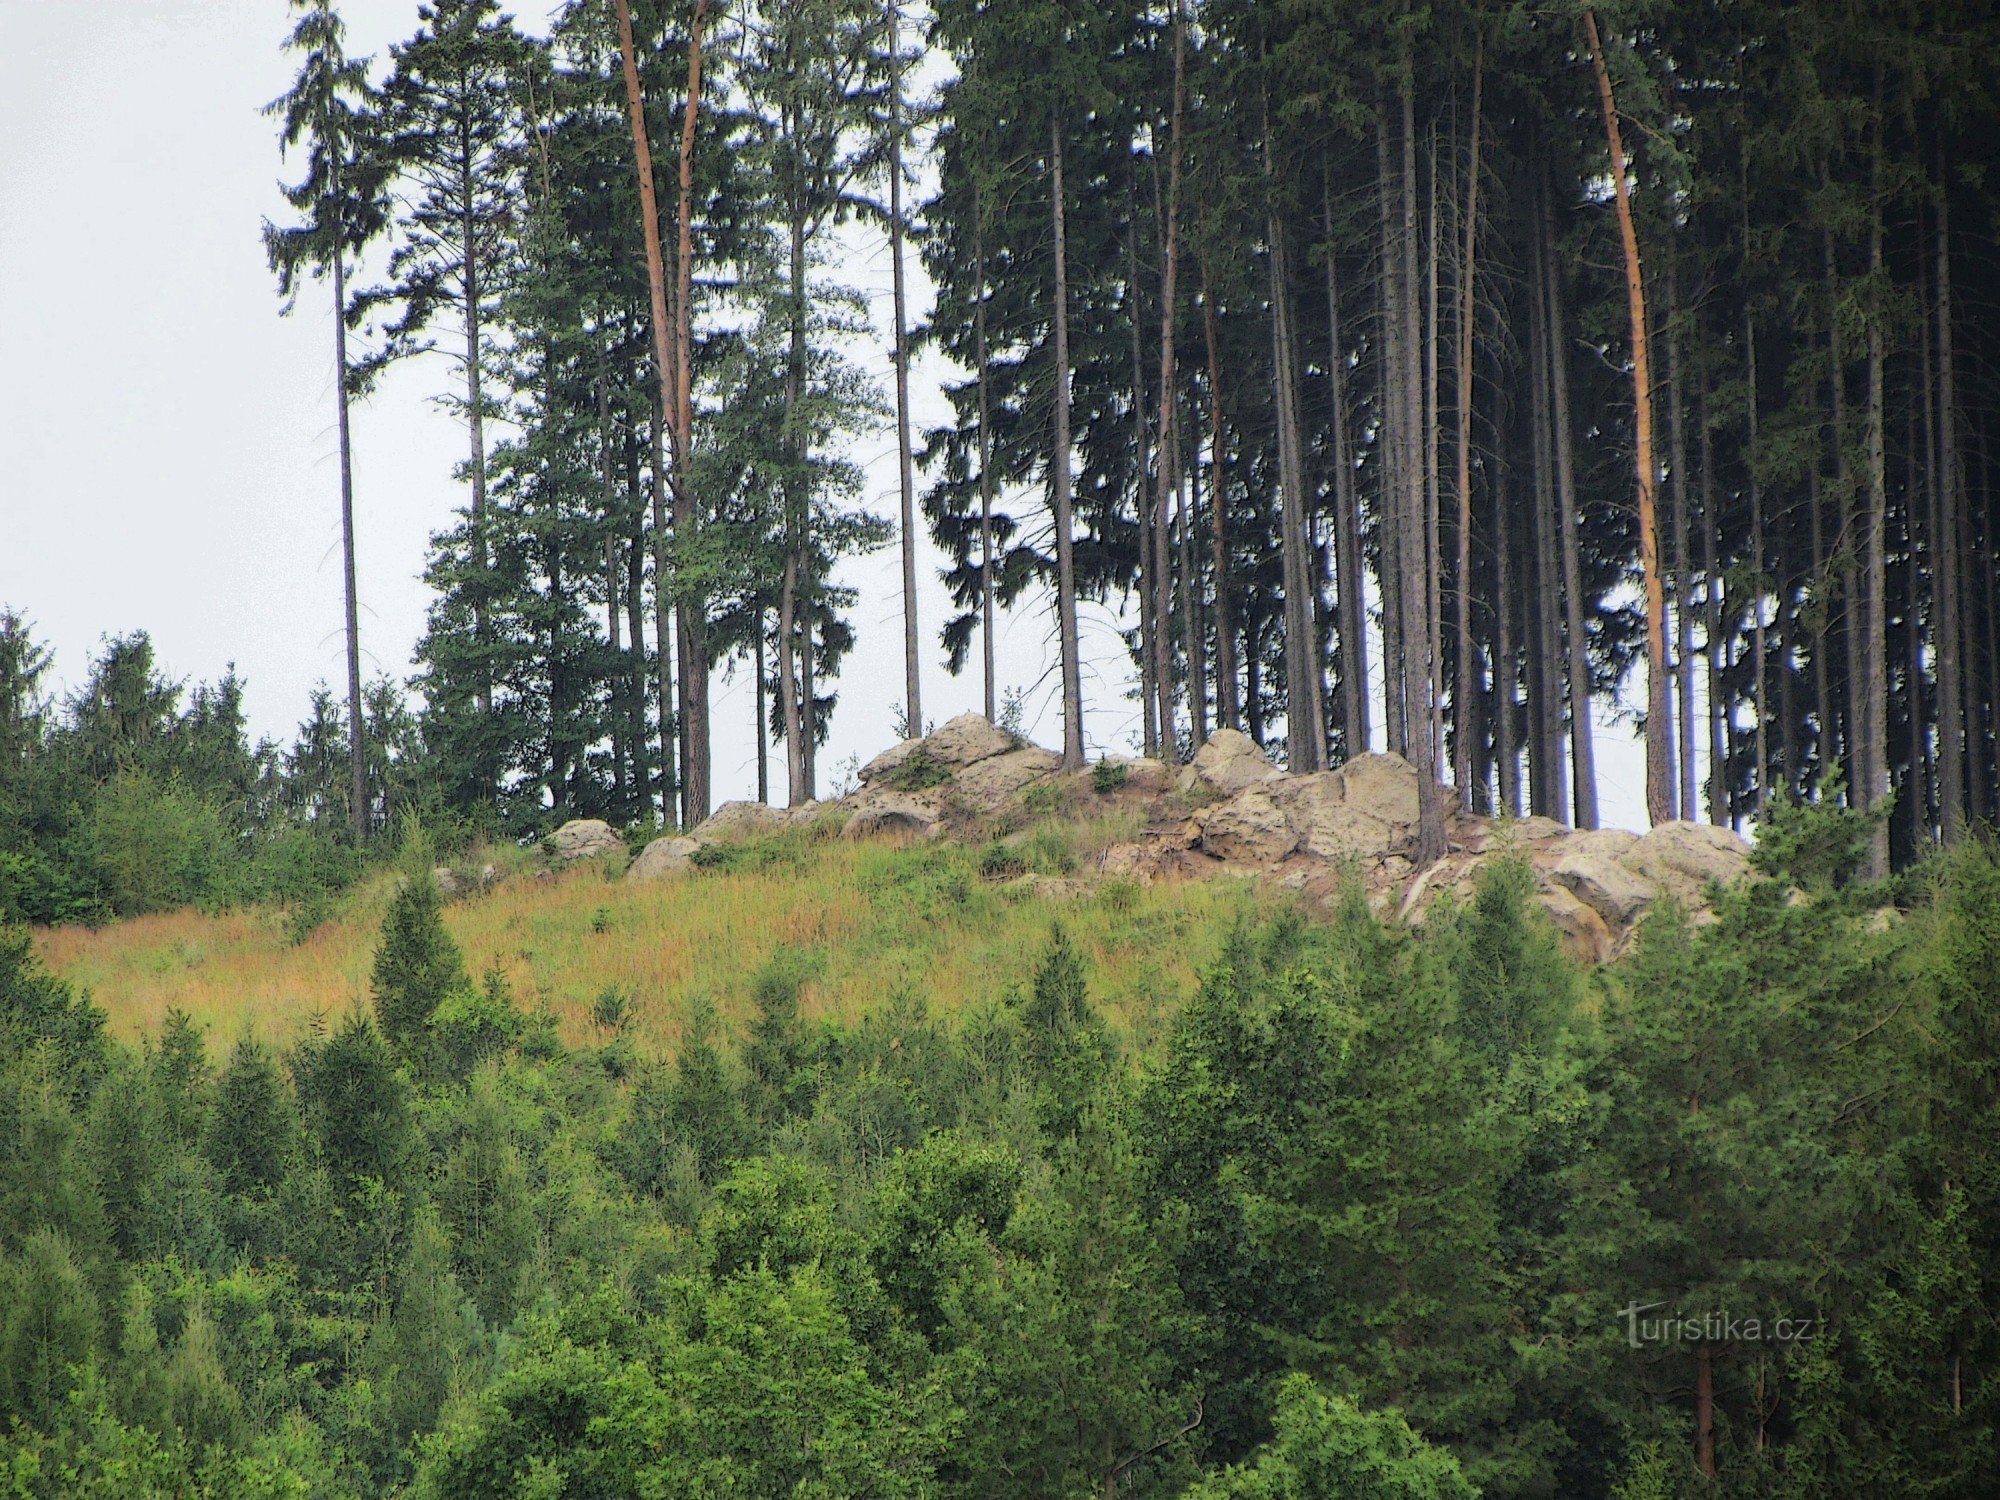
[{"x": 873, "y": 919}]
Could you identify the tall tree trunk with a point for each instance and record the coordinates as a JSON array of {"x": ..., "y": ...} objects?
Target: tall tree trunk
[
  {"x": 760, "y": 714},
  {"x": 1228, "y": 700},
  {"x": 797, "y": 516},
  {"x": 1948, "y": 628},
  {"x": 357, "y": 730},
  {"x": 1150, "y": 624},
  {"x": 1433, "y": 547},
  {"x": 1191, "y": 626},
  {"x": 1395, "y": 445},
  {"x": 1166, "y": 481},
  {"x": 1871, "y": 712},
  {"x": 1463, "y": 694},
  {"x": 1678, "y": 525},
  {"x": 1659, "y": 750},
  {"x": 608, "y": 481},
  {"x": 673, "y": 744},
  {"x": 1072, "y": 671},
  {"x": 662, "y": 329},
  {"x": 1831, "y": 745},
  {"x": 475, "y": 409},
  {"x": 906, "y": 470},
  {"x": 1506, "y": 753},
  {"x": 1759, "y": 585},
  {"x": 1415, "y": 564},
  {"x": 1576, "y": 655},
  {"x": 1348, "y": 561},
  {"x": 986, "y": 610},
  {"x": 693, "y": 614},
  {"x": 1714, "y": 641}
]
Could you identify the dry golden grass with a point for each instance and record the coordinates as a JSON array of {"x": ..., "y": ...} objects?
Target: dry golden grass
[{"x": 879, "y": 919}]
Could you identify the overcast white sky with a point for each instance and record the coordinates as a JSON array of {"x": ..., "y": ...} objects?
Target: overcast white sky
[{"x": 166, "y": 438}]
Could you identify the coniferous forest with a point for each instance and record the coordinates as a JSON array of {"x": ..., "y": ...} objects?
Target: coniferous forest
[{"x": 1450, "y": 379}]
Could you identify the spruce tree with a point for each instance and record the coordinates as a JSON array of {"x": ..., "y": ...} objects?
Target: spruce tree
[{"x": 417, "y": 966}]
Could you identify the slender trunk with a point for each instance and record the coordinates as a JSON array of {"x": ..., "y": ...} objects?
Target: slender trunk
[
  {"x": 1760, "y": 655},
  {"x": 1831, "y": 745},
  {"x": 1704, "y": 1409},
  {"x": 1506, "y": 753},
  {"x": 673, "y": 746},
  {"x": 357, "y": 756},
  {"x": 1948, "y": 629},
  {"x": 1059, "y": 474},
  {"x": 1683, "y": 585},
  {"x": 694, "y": 618},
  {"x": 985, "y": 472},
  {"x": 663, "y": 347},
  {"x": 1415, "y": 563},
  {"x": 906, "y": 469},
  {"x": 1462, "y": 696},
  {"x": 475, "y": 412},
  {"x": 1150, "y": 623},
  {"x": 1659, "y": 750},
  {"x": 609, "y": 484},
  {"x": 1228, "y": 702},
  {"x": 797, "y": 519},
  {"x": 760, "y": 714},
  {"x": 1713, "y": 638},
  {"x": 1871, "y": 712},
  {"x": 635, "y": 626},
  {"x": 1191, "y": 630},
  {"x": 1348, "y": 561},
  {"x": 1394, "y": 447},
  {"x": 1582, "y": 734},
  {"x": 1433, "y": 550},
  {"x": 1166, "y": 479}
]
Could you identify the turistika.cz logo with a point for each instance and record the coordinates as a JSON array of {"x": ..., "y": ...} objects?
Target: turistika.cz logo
[{"x": 1717, "y": 1327}]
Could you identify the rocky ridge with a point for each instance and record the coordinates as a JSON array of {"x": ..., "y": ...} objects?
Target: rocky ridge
[{"x": 1232, "y": 813}]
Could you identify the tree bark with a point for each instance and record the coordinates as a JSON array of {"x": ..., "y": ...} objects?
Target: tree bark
[
  {"x": 1576, "y": 655},
  {"x": 1228, "y": 700},
  {"x": 475, "y": 412},
  {"x": 1348, "y": 561},
  {"x": 1165, "y": 479},
  {"x": 1506, "y": 753},
  {"x": 1872, "y": 711},
  {"x": 1760, "y": 655},
  {"x": 357, "y": 756},
  {"x": 1395, "y": 443},
  {"x": 906, "y": 470},
  {"x": 1463, "y": 694},
  {"x": 1678, "y": 528},
  {"x": 1415, "y": 564},
  {"x": 663, "y": 349},
  {"x": 1659, "y": 750},
  {"x": 693, "y": 613},
  {"x": 1072, "y": 672},
  {"x": 1713, "y": 639},
  {"x": 1948, "y": 628},
  {"x": 986, "y": 610}
]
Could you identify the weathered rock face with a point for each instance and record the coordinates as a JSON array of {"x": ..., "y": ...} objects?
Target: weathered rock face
[
  {"x": 1589, "y": 865},
  {"x": 885, "y": 763},
  {"x": 1231, "y": 761},
  {"x": 877, "y": 812},
  {"x": 584, "y": 838},
  {"x": 966, "y": 740},
  {"x": 1250, "y": 828},
  {"x": 741, "y": 820},
  {"x": 989, "y": 784},
  {"x": 664, "y": 858}
]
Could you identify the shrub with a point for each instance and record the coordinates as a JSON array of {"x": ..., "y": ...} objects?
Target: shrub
[
  {"x": 917, "y": 771},
  {"x": 1107, "y": 776},
  {"x": 156, "y": 845}
]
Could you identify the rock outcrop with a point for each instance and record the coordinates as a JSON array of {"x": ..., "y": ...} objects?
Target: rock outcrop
[
  {"x": 1232, "y": 812},
  {"x": 584, "y": 838}
]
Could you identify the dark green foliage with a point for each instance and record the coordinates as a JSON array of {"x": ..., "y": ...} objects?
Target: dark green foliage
[
  {"x": 918, "y": 771},
  {"x": 356, "y": 1109},
  {"x": 417, "y": 967},
  {"x": 1107, "y": 776},
  {"x": 48, "y": 1330}
]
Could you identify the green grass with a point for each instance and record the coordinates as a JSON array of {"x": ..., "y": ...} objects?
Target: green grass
[{"x": 876, "y": 920}]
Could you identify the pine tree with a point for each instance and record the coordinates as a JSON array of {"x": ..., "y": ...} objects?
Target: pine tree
[
  {"x": 417, "y": 966},
  {"x": 329, "y": 112}
]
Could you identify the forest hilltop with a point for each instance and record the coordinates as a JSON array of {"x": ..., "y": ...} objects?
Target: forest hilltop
[{"x": 456, "y": 1097}]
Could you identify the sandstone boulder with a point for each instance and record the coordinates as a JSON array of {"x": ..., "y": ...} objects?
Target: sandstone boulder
[
  {"x": 1590, "y": 866},
  {"x": 883, "y": 812},
  {"x": 584, "y": 838},
  {"x": 989, "y": 784},
  {"x": 1144, "y": 775},
  {"x": 1230, "y": 761},
  {"x": 663, "y": 858},
  {"x": 741, "y": 820},
  {"x": 1383, "y": 787},
  {"x": 1682, "y": 858},
  {"x": 967, "y": 740},
  {"x": 1361, "y": 811},
  {"x": 888, "y": 761},
  {"x": 1250, "y": 828},
  {"x": 1579, "y": 928}
]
